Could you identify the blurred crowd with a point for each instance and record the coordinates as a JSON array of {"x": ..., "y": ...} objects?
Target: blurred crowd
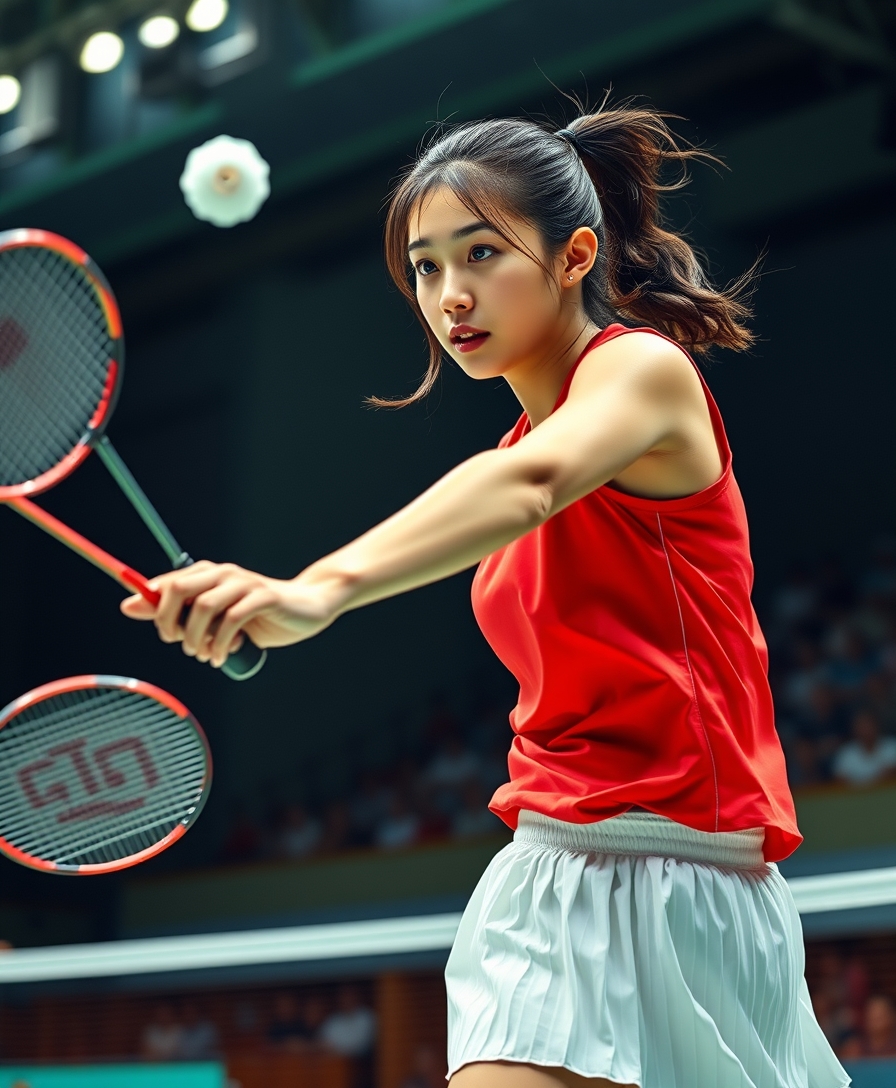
[
  {"x": 832, "y": 646},
  {"x": 287, "y": 1020},
  {"x": 858, "y": 1021},
  {"x": 438, "y": 790}
]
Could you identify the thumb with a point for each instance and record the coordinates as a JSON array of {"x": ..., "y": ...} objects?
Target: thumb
[{"x": 137, "y": 608}]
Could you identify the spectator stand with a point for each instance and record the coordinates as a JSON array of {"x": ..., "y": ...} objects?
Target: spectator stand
[
  {"x": 832, "y": 642},
  {"x": 434, "y": 786}
]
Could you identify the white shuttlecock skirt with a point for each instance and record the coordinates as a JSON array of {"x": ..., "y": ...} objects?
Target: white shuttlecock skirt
[{"x": 639, "y": 950}]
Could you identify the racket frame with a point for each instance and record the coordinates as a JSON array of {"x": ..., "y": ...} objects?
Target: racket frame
[
  {"x": 99, "y": 680},
  {"x": 31, "y": 237},
  {"x": 94, "y": 438}
]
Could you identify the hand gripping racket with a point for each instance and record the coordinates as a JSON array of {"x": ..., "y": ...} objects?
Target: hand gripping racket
[
  {"x": 98, "y": 773},
  {"x": 61, "y": 368}
]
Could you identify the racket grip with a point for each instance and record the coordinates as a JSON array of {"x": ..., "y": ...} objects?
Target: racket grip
[{"x": 246, "y": 662}]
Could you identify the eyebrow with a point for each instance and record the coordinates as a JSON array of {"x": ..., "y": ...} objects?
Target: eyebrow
[{"x": 471, "y": 228}]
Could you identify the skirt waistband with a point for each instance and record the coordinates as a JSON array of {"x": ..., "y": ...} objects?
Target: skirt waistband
[{"x": 645, "y": 833}]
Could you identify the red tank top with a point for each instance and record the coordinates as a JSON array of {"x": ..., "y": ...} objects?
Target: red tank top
[{"x": 643, "y": 672}]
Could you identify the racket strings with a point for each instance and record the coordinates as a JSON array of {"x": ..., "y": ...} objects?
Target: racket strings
[
  {"x": 99, "y": 720},
  {"x": 86, "y": 840},
  {"x": 26, "y": 372},
  {"x": 37, "y": 375},
  {"x": 91, "y": 807},
  {"x": 54, "y": 367},
  {"x": 67, "y": 297},
  {"x": 30, "y": 829},
  {"x": 149, "y": 720}
]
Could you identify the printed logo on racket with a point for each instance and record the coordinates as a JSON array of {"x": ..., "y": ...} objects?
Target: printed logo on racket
[{"x": 124, "y": 762}]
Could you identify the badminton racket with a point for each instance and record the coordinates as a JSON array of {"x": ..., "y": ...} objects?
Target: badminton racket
[
  {"x": 98, "y": 773},
  {"x": 61, "y": 369}
]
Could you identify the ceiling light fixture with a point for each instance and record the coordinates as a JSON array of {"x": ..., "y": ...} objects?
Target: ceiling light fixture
[
  {"x": 10, "y": 93},
  {"x": 101, "y": 52},
  {"x": 158, "y": 31},
  {"x": 206, "y": 15}
]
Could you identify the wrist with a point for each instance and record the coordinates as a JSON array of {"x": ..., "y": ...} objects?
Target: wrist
[{"x": 331, "y": 583}]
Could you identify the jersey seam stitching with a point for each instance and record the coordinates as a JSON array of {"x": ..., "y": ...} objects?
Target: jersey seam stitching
[{"x": 687, "y": 658}]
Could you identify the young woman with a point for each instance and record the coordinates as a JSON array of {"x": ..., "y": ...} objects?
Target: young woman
[{"x": 637, "y": 930}]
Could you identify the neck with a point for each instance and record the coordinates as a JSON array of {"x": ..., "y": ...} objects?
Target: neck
[{"x": 537, "y": 383}]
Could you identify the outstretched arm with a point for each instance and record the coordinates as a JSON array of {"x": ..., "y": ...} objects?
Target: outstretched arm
[{"x": 621, "y": 404}]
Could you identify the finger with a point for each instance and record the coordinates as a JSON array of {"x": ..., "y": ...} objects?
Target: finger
[
  {"x": 206, "y": 654},
  {"x": 204, "y": 613},
  {"x": 138, "y": 608},
  {"x": 237, "y": 616},
  {"x": 179, "y": 588}
]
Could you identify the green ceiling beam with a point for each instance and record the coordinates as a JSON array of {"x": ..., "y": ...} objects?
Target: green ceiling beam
[
  {"x": 100, "y": 161},
  {"x": 388, "y": 41},
  {"x": 514, "y": 91}
]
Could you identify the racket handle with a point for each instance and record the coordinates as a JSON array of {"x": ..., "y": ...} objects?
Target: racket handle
[
  {"x": 245, "y": 662},
  {"x": 241, "y": 665}
]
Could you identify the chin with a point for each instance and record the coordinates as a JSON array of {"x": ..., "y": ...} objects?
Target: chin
[{"x": 480, "y": 373}]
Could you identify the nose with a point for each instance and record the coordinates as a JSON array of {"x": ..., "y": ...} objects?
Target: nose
[{"x": 455, "y": 297}]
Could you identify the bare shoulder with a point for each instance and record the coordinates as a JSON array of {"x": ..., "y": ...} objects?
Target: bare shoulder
[{"x": 640, "y": 361}]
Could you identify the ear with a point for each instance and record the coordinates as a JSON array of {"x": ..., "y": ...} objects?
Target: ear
[{"x": 579, "y": 256}]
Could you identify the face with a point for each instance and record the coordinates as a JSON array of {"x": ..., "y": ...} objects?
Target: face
[
  {"x": 490, "y": 305},
  {"x": 879, "y": 1014}
]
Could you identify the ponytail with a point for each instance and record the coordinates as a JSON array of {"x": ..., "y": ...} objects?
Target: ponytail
[
  {"x": 650, "y": 273},
  {"x": 602, "y": 171}
]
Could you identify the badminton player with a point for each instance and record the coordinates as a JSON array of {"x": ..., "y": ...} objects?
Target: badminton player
[{"x": 637, "y": 930}]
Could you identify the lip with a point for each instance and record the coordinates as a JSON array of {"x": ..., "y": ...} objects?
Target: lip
[{"x": 467, "y": 345}]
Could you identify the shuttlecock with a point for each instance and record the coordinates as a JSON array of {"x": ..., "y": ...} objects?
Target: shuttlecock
[{"x": 225, "y": 181}]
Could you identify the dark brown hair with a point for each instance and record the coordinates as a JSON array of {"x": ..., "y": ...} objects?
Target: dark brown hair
[{"x": 606, "y": 177}]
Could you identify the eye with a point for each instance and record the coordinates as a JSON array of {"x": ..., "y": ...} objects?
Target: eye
[
  {"x": 421, "y": 268},
  {"x": 480, "y": 249}
]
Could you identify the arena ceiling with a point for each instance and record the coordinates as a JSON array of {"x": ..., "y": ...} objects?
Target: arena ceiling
[{"x": 802, "y": 90}]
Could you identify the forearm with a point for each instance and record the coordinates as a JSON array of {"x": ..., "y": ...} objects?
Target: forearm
[{"x": 478, "y": 507}]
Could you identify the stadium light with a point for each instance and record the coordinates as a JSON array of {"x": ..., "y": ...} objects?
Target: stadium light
[
  {"x": 10, "y": 93},
  {"x": 158, "y": 31},
  {"x": 101, "y": 52},
  {"x": 206, "y": 15}
]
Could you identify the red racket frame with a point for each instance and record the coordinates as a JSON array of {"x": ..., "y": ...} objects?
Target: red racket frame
[
  {"x": 30, "y": 236},
  {"x": 78, "y": 683},
  {"x": 121, "y": 572}
]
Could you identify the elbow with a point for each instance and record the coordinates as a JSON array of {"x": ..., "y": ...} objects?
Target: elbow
[
  {"x": 539, "y": 503},
  {"x": 527, "y": 491}
]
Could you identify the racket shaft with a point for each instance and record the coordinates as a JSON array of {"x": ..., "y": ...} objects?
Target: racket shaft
[
  {"x": 121, "y": 572},
  {"x": 248, "y": 659},
  {"x": 137, "y": 497}
]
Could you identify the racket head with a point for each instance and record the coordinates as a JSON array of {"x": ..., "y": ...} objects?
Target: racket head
[
  {"x": 61, "y": 359},
  {"x": 98, "y": 773}
]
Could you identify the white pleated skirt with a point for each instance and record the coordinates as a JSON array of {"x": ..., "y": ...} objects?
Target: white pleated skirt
[{"x": 639, "y": 950}]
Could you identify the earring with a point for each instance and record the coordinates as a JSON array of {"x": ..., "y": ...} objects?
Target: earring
[{"x": 569, "y": 277}]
